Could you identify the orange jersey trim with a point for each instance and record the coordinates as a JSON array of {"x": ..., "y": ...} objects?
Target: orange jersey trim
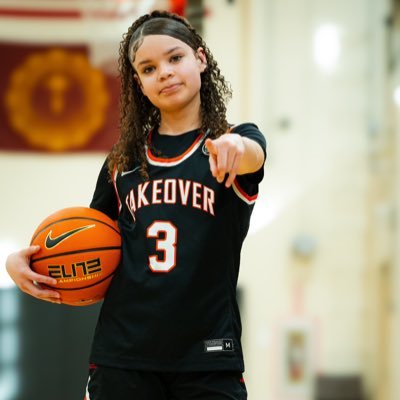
[
  {"x": 174, "y": 160},
  {"x": 242, "y": 194}
]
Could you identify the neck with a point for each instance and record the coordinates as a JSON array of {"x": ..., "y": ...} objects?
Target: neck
[{"x": 179, "y": 121}]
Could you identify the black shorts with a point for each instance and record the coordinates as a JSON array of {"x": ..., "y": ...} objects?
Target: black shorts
[{"x": 113, "y": 383}]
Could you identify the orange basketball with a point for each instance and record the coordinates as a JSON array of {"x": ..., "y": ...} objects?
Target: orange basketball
[{"x": 81, "y": 248}]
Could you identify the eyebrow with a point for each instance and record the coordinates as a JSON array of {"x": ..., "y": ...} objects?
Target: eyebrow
[{"x": 165, "y": 54}]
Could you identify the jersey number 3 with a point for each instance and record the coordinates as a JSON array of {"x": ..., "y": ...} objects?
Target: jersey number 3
[{"x": 166, "y": 236}]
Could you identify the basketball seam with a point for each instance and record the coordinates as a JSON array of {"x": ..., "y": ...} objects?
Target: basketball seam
[
  {"x": 82, "y": 287},
  {"x": 75, "y": 252},
  {"x": 72, "y": 218}
]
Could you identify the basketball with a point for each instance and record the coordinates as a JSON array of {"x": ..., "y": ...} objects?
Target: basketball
[{"x": 81, "y": 248}]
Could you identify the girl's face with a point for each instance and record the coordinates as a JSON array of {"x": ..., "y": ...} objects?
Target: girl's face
[{"x": 168, "y": 72}]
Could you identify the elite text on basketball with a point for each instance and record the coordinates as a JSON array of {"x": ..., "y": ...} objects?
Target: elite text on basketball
[{"x": 78, "y": 269}]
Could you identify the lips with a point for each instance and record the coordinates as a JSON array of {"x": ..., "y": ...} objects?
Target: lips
[{"x": 170, "y": 88}]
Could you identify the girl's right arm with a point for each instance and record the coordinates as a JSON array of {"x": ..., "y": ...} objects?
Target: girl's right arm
[{"x": 17, "y": 265}]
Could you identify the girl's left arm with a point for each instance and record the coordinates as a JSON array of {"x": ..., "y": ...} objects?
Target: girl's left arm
[{"x": 233, "y": 154}]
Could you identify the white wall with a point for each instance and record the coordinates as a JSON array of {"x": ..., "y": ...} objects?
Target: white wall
[
  {"x": 394, "y": 365},
  {"x": 318, "y": 184}
]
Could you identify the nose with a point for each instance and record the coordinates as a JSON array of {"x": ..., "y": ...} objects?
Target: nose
[{"x": 165, "y": 71}]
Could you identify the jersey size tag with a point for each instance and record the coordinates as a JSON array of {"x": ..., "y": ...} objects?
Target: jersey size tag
[{"x": 218, "y": 345}]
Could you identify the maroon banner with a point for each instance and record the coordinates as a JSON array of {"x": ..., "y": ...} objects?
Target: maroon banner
[{"x": 54, "y": 99}]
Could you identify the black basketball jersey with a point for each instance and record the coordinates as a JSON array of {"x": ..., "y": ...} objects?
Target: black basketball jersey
[{"x": 172, "y": 303}]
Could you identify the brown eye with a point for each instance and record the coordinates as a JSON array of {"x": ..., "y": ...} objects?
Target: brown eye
[
  {"x": 147, "y": 70},
  {"x": 176, "y": 58}
]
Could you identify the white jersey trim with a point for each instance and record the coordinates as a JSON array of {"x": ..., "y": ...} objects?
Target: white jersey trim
[
  {"x": 171, "y": 162},
  {"x": 87, "y": 395},
  {"x": 243, "y": 195},
  {"x": 115, "y": 175}
]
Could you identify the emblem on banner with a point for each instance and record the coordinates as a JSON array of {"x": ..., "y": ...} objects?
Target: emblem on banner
[{"x": 56, "y": 100}]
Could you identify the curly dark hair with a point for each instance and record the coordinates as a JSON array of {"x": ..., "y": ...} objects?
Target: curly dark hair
[{"x": 137, "y": 114}]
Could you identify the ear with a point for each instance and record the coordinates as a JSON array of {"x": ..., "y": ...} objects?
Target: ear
[
  {"x": 138, "y": 81},
  {"x": 201, "y": 58}
]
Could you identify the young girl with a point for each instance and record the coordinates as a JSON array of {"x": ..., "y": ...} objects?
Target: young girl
[{"x": 182, "y": 184}]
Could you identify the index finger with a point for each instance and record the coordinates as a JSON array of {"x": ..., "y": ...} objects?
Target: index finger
[
  {"x": 233, "y": 172},
  {"x": 212, "y": 149}
]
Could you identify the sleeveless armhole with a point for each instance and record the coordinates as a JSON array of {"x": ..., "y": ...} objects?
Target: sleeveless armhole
[
  {"x": 243, "y": 194},
  {"x": 245, "y": 186},
  {"x": 104, "y": 196}
]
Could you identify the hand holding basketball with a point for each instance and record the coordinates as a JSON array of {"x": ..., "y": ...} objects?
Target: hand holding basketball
[
  {"x": 80, "y": 249},
  {"x": 226, "y": 153},
  {"x": 17, "y": 266}
]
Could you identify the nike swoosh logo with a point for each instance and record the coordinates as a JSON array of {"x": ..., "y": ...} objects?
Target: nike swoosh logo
[
  {"x": 54, "y": 241},
  {"x": 123, "y": 173}
]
